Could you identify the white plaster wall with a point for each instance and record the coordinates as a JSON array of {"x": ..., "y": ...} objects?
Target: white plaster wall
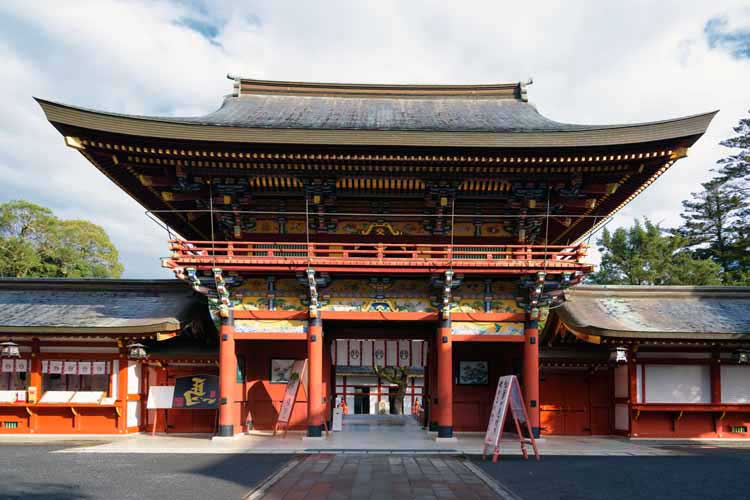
[
  {"x": 134, "y": 377},
  {"x": 735, "y": 384},
  {"x": 115, "y": 376},
  {"x": 678, "y": 384},
  {"x": 639, "y": 383},
  {"x": 134, "y": 413}
]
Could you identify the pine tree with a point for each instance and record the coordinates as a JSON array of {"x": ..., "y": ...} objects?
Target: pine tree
[
  {"x": 645, "y": 254},
  {"x": 736, "y": 168},
  {"x": 711, "y": 222}
]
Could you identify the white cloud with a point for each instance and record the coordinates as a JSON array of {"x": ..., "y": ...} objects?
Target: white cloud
[{"x": 592, "y": 61}]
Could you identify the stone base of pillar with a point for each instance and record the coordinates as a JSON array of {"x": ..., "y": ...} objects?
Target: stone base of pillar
[
  {"x": 445, "y": 431},
  {"x": 314, "y": 431},
  {"x": 225, "y": 431}
]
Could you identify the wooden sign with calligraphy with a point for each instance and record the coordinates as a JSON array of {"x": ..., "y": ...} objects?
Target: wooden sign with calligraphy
[
  {"x": 508, "y": 396},
  {"x": 196, "y": 392},
  {"x": 297, "y": 377}
]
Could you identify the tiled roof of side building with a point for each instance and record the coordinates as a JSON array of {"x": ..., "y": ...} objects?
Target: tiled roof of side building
[
  {"x": 661, "y": 312},
  {"x": 49, "y": 306}
]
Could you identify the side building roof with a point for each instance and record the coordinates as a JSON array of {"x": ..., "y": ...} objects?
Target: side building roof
[
  {"x": 100, "y": 306},
  {"x": 603, "y": 313}
]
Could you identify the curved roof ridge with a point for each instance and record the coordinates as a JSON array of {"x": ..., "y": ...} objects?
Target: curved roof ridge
[{"x": 245, "y": 86}]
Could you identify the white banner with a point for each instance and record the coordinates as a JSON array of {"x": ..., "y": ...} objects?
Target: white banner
[
  {"x": 99, "y": 367},
  {"x": 8, "y": 365},
  {"x": 379, "y": 353},
  {"x": 70, "y": 367},
  {"x": 355, "y": 353},
  {"x": 22, "y": 365},
  {"x": 84, "y": 368},
  {"x": 55, "y": 366},
  {"x": 404, "y": 353}
]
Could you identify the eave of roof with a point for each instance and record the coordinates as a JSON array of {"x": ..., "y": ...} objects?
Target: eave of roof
[
  {"x": 199, "y": 129},
  {"x": 585, "y": 315},
  {"x": 94, "y": 306}
]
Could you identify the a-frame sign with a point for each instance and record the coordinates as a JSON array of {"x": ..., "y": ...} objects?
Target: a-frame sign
[
  {"x": 508, "y": 395},
  {"x": 297, "y": 378}
]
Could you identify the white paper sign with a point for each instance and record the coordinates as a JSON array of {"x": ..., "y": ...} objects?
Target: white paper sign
[
  {"x": 70, "y": 368},
  {"x": 55, "y": 367},
  {"x": 22, "y": 365},
  {"x": 99, "y": 367},
  {"x": 45, "y": 366},
  {"x": 84, "y": 368},
  {"x": 338, "y": 419},
  {"x": 90, "y": 397},
  {"x": 160, "y": 397},
  {"x": 57, "y": 396}
]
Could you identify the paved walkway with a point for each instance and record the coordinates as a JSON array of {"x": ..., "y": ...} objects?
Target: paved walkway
[
  {"x": 360, "y": 435},
  {"x": 375, "y": 477}
]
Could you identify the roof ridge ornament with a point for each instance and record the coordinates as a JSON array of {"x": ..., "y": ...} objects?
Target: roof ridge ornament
[{"x": 522, "y": 85}]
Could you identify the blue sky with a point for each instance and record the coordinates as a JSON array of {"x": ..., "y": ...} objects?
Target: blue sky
[{"x": 592, "y": 61}]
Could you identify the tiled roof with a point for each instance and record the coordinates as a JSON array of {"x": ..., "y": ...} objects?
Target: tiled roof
[
  {"x": 95, "y": 306},
  {"x": 720, "y": 313}
]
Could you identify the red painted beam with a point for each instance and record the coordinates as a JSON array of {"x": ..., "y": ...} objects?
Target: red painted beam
[
  {"x": 242, "y": 314},
  {"x": 492, "y": 317},
  {"x": 487, "y": 338}
]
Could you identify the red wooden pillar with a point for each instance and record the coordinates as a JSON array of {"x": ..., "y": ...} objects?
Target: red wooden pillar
[
  {"x": 315, "y": 397},
  {"x": 227, "y": 377},
  {"x": 444, "y": 383},
  {"x": 432, "y": 387},
  {"x": 716, "y": 378},
  {"x": 632, "y": 389},
  {"x": 531, "y": 371},
  {"x": 35, "y": 378},
  {"x": 122, "y": 390}
]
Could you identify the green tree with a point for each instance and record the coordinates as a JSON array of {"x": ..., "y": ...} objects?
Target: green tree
[
  {"x": 711, "y": 225},
  {"x": 398, "y": 376},
  {"x": 645, "y": 254},
  {"x": 35, "y": 243},
  {"x": 735, "y": 168}
]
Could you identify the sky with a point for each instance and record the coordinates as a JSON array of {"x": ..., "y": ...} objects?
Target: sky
[{"x": 592, "y": 62}]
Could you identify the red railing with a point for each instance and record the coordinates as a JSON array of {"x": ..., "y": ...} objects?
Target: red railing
[{"x": 238, "y": 254}]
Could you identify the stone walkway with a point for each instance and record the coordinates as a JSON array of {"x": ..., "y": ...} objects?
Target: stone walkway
[{"x": 318, "y": 477}]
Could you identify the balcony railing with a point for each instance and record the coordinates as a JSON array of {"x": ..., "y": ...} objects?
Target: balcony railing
[{"x": 408, "y": 256}]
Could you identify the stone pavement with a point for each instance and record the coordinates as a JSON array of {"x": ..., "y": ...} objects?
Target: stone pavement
[
  {"x": 383, "y": 441},
  {"x": 378, "y": 477}
]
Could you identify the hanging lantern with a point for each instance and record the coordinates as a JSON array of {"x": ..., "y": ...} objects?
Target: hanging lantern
[
  {"x": 618, "y": 356},
  {"x": 741, "y": 357},
  {"x": 9, "y": 349},
  {"x": 137, "y": 351}
]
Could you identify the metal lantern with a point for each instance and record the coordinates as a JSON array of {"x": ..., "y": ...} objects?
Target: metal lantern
[
  {"x": 742, "y": 357},
  {"x": 618, "y": 356},
  {"x": 9, "y": 350},
  {"x": 137, "y": 351}
]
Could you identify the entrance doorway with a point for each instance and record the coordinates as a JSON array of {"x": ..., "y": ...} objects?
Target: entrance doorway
[
  {"x": 361, "y": 400},
  {"x": 379, "y": 370}
]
